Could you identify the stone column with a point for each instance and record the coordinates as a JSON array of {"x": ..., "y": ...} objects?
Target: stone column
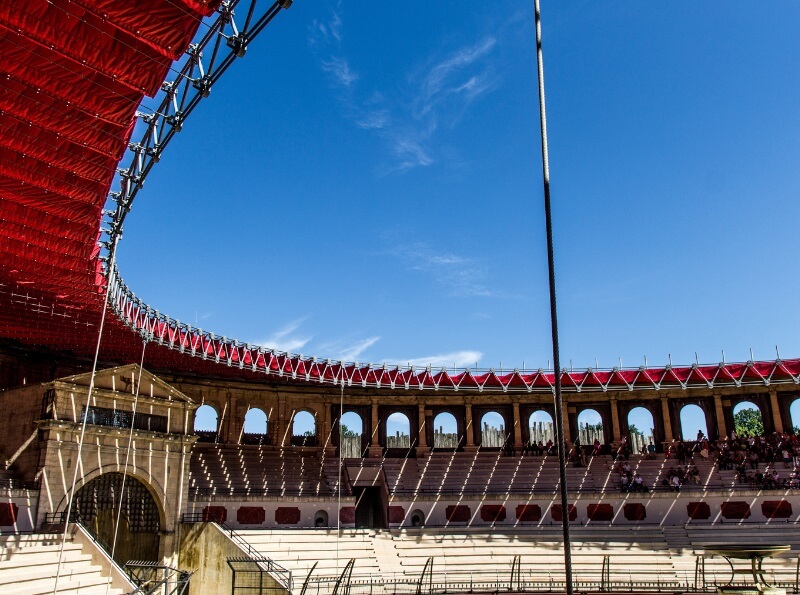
[
  {"x": 468, "y": 425},
  {"x": 517, "y": 425},
  {"x": 668, "y": 435},
  {"x": 422, "y": 431},
  {"x": 326, "y": 438},
  {"x": 721, "y": 425},
  {"x": 615, "y": 429},
  {"x": 284, "y": 436},
  {"x": 374, "y": 447},
  {"x": 777, "y": 420},
  {"x": 568, "y": 438}
]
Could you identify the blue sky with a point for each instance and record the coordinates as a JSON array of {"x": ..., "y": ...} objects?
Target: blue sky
[{"x": 366, "y": 185}]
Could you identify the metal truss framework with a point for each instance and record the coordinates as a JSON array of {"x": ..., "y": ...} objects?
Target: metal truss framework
[
  {"x": 226, "y": 41},
  {"x": 156, "y": 327}
]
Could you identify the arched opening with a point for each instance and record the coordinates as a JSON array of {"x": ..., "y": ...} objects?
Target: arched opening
[
  {"x": 351, "y": 431},
  {"x": 417, "y": 518},
  {"x": 255, "y": 427},
  {"x": 304, "y": 429},
  {"x": 640, "y": 428},
  {"x": 794, "y": 415},
  {"x": 445, "y": 431},
  {"x": 96, "y": 505},
  {"x": 590, "y": 427},
  {"x": 540, "y": 429},
  {"x": 493, "y": 430},
  {"x": 398, "y": 431},
  {"x": 321, "y": 518},
  {"x": 747, "y": 420},
  {"x": 693, "y": 420},
  {"x": 206, "y": 423}
]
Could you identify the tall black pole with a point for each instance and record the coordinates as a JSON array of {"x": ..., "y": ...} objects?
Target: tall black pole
[{"x": 562, "y": 446}]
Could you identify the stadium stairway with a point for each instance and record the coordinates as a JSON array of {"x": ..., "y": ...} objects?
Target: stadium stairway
[{"x": 29, "y": 563}]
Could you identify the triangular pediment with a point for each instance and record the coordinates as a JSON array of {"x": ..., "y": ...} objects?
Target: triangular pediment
[{"x": 124, "y": 379}]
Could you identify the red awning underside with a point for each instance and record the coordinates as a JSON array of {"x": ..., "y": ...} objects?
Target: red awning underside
[{"x": 72, "y": 75}]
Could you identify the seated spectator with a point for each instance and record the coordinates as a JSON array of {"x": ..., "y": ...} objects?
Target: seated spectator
[{"x": 638, "y": 484}]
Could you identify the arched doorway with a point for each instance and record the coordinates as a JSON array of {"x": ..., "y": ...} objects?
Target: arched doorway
[
  {"x": 640, "y": 428},
  {"x": 693, "y": 420},
  {"x": 445, "y": 431},
  {"x": 540, "y": 428},
  {"x": 794, "y": 415},
  {"x": 398, "y": 431},
  {"x": 96, "y": 506},
  {"x": 493, "y": 430},
  {"x": 255, "y": 427},
  {"x": 304, "y": 429},
  {"x": 590, "y": 427},
  {"x": 206, "y": 423},
  {"x": 350, "y": 436},
  {"x": 747, "y": 420}
]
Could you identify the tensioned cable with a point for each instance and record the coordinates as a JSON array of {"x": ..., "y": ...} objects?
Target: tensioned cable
[
  {"x": 78, "y": 463},
  {"x": 562, "y": 462},
  {"x": 127, "y": 459},
  {"x": 339, "y": 482}
]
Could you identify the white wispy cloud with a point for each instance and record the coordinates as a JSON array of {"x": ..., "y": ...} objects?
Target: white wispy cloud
[
  {"x": 463, "y": 276},
  {"x": 339, "y": 68},
  {"x": 348, "y": 349},
  {"x": 407, "y": 119},
  {"x": 286, "y": 338},
  {"x": 459, "y": 359}
]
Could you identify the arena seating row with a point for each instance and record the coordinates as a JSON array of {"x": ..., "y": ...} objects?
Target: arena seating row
[
  {"x": 490, "y": 472},
  {"x": 260, "y": 470},
  {"x": 633, "y": 555},
  {"x": 28, "y": 565}
]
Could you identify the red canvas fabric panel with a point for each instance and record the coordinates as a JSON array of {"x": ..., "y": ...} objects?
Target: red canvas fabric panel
[
  {"x": 287, "y": 515},
  {"x": 397, "y": 514},
  {"x": 557, "y": 514},
  {"x": 776, "y": 509},
  {"x": 347, "y": 514},
  {"x": 457, "y": 513},
  {"x": 698, "y": 511},
  {"x": 215, "y": 514},
  {"x": 493, "y": 513},
  {"x": 250, "y": 515},
  {"x": 8, "y": 514},
  {"x": 634, "y": 511},
  {"x": 529, "y": 512},
  {"x": 600, "y": 512},
  {"x": 735, "y": 510}
]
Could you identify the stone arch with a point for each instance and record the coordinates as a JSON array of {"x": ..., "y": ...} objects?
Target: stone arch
[
  {"x": 540, "y": 427},
  {"x": 351, "y": 438},
  {"x": 304, "y": 428},
  {"x": 206, "y": 423},
  {"x": 494, "y": 432},
  {"x": 591, "y": 427},
  {"x": 445, "y": 431},
  {"x": 255, "y": 427},
  {"x": 641, "y": 428},
  {"x": 794, "y": 415},
  {"x": 693, "y": 419},
  {"x": 398, "y": 430},
  {"x": 96, "y": 504},
  {"x": 417, "y": 518},
  {"x": 321, "y": 518},
  {"x": 748, "y": 419}
]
